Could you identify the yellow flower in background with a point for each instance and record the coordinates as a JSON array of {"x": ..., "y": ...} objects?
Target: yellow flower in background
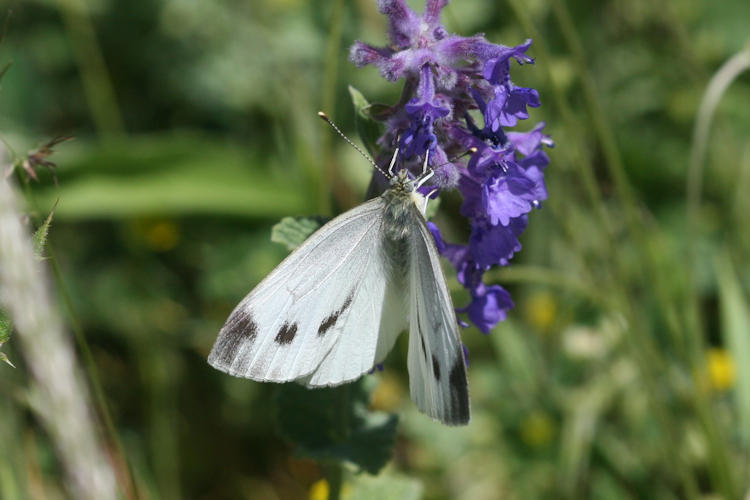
[
  {"x": 389, "y": 393},
  {"x": 319, "y": 490},
  {"x": 158, "y": 235},
  {"x": 540, "y": 310},
  {"x": 162, "y": 235},
  {"x": 537, "y": 429},
  {"x": 721, "y": 369}
]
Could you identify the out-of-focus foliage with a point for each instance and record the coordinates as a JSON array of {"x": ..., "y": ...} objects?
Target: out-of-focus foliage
[
  {"x": 311, "y": 419},
  {"x": 621, "y": 373}
]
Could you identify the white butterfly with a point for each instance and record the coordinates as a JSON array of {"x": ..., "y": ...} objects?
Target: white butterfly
[{"x": 333, "y": 309}]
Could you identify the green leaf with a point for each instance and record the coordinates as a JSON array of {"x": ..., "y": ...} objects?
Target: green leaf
[
  {"x": 5, "y": 328},
  {"x": 3, "y": 357},
  {"x": 735, "y": 318},
  {"x": 172, "y": 175},
  {"x": 39, "y": 238},
  {"x": 368, "y": 129},
  {"x": 5, "y": 69},
  {"x": 391, "y": 486},
  {"x": 334, "y": 424},
  {"x": 292, "y": 231}
]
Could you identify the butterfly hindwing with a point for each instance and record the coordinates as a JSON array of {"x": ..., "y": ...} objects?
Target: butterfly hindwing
[
  {"x": 314, "y": 317},
  {"x": 437, "y": 371},
  {"x": 372, "y": 327}
]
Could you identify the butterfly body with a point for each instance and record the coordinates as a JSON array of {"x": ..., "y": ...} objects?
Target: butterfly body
[{"x": 335, "y": 306}]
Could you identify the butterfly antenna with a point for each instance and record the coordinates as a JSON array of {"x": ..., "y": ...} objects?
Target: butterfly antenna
[
  {"x": 426, "y": 174},
  {"x": 469, "y": 151},
  {"x": 359, "y": 150}
]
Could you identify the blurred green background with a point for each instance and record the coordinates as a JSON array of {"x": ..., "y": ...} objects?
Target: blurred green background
[{"x": 623, "y": 371}]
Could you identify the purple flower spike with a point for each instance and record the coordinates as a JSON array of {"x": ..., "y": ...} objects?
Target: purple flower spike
[{"x": 449, "y": 76}]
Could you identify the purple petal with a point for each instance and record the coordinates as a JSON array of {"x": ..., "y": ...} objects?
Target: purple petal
[
  {"x": 466, "y": 354},
  {"x": 515, "y": 105},
  {"x": 538, "y": 160},
  {"x": 527, "y": 142},
  {"x": 495, "y": 245},
  {"x": 471, "y": 190},
  {"x": 432, "y": 11},
  {"x": 507, "y": 196},
  {"x": 454, "y": 48},
  {"x": 404, "y": 24},
  {"x": 494, "y": 114},
  {"x": 439, "y": 243},
  {"x": 486, "y": 51},
  {"x": 497, "y": 71},
  {"x": 489, "y": 308},
  {"x": 362, "y": 54}
]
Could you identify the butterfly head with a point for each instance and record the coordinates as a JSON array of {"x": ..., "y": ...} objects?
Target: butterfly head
[{"x": 401, "y": 182}]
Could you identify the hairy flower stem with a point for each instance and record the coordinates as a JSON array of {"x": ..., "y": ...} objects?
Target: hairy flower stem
[{"x": 57, "y": 391}]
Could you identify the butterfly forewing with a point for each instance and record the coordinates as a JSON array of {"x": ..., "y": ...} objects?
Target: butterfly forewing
[
  {"x": 334, "y": 308},
  {"x": 437, "y": 372},
  {"x": 315, "y": 317}
]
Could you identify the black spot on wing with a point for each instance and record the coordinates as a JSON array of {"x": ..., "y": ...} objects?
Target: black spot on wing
[
  {"x": 286, "y": 333},
  {"x": 459, "y": 391},
  {"x": 436, "y": 368},
  {"x": 421, "y": 338},
  {"x": 332, "y": 318},
  {"x": 239, "y": 329}
]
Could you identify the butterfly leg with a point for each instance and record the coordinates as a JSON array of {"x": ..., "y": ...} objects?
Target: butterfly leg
[
  {"x": 393, "y": 163},
  {"x": 427, "y": 199},
  {"x": 426, "y": 174}
]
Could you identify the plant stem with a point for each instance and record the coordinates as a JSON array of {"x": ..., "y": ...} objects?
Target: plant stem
[
  {"x": 335, "y": 470},
  {"x": 330, "y": 77},
  {"x": 58, "y": 393}
]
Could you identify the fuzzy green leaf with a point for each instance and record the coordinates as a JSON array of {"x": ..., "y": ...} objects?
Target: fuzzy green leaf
[
  {"x": 368, "y": 129},
  {"x": 3, "y": 357},
  {"x": 39, "y": 239},
  {"x": 292, "y": 231},
  {"x": 334, "y": 423},
  {"x": 5, "y": 328}
]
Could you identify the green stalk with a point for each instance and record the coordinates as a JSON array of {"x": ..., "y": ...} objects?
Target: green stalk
[
  {"x": 581, "y": 161},
  {"x": 330, "y": 77},
  {"x": 335, "y": 469},
  {"x": 126, "y": 477},
  {"x": 97, "y": 84},
  {"x": 719, "y": 461},
  {"x": 125, "y": 474}
]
